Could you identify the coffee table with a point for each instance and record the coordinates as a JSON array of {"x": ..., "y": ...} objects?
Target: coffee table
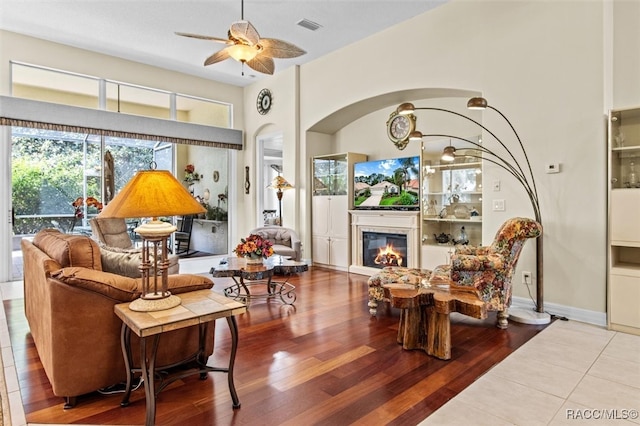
[{"x": 246, "y": 276}]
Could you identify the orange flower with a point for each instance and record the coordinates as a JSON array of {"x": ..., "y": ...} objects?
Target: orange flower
[
  {"x": 78, "y": 202},
  {"x": 93, "y": 202}
]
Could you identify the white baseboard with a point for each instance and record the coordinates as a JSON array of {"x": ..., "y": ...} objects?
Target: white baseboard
[{"x": 570, "y": 312}]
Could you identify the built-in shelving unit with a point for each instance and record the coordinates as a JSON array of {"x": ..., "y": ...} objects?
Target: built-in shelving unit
[
  {"x": 623, "y": 310},
  {"x": 451, "y": 200}
]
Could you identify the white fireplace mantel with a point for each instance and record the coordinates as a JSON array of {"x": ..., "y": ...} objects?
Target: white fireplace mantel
[{"x": 385, "y": 221}]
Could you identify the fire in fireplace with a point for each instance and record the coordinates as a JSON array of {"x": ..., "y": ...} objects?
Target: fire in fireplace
[{"x": 382, "y": 249}]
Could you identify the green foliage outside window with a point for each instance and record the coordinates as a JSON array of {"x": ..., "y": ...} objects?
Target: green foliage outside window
[{"x": 49, "y": 173}]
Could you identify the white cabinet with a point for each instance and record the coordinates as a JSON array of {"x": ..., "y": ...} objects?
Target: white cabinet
[
  {"x": 625, "y": 217},
  {"x": 331, "y": 201},
  {"x": 330, "y": 216},
  {"x": 433, "y": 256},
  {"x": 330, "y": 230},
  {"x": 623, "y": 307}
]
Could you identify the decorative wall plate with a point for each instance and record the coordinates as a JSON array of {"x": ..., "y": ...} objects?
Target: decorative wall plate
[{"x": 263, "y": 103}]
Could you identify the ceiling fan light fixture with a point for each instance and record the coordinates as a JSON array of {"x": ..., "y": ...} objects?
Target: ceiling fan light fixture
[
  {"x": 243, "y": 52},
  {"x": 247, "y": 47}
]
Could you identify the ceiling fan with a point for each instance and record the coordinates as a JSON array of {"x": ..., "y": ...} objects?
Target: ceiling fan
[{"x": 245, "y": 45}]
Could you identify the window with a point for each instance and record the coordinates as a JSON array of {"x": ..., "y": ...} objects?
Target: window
[{"x": 51, "y": 169}]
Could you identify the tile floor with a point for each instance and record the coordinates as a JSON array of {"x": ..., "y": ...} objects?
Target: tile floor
[{"x": 569, "y": 374}]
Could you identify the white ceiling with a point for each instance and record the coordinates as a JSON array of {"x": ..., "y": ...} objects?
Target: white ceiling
[{"x": 143, "y": 30}]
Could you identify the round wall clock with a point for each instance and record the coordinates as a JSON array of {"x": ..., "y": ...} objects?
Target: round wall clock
[
  {"x": 264, "y": 101},
  {"x": 399, "y": 127}
]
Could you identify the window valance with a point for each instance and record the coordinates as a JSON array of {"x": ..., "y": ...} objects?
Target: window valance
[{"x": 51, "y": 116}]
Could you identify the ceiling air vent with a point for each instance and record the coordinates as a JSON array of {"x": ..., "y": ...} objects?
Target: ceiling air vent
[{"x": 310, "y": 25}]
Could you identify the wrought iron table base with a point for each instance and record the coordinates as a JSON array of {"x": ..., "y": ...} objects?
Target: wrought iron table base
[{"x": 282, "y": 289}]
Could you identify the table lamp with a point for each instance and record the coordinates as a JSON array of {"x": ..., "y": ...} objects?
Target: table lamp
[
  {"x": 280, "y": 184},
  {"x": 153, "y": 193}
]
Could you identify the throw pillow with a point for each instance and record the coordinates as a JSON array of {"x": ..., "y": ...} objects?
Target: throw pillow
[
  {"x": 117, "y": 287},
  {"x": 182, "y": 283},
  {"x": 120, "y": 261}
]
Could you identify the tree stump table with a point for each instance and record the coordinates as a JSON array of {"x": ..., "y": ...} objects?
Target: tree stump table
[{"x": 424, "y": 316}]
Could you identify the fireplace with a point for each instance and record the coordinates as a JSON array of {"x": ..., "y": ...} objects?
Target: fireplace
[
  {"x": 380, "y": 249},
  {"x": 373, "y": 230}
]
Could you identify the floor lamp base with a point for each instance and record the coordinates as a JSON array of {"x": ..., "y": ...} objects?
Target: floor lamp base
[{"x": 529, "y": 316}]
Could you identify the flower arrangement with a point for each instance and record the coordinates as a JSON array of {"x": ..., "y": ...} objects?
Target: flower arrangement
[
  {"x": 79, "y": 211},
  {"x": 254, "y": 246},
  {"x": 190, "y": 174}
]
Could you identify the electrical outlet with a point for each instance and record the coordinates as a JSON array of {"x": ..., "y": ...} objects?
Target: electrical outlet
[{"x": 526, "y": 278}]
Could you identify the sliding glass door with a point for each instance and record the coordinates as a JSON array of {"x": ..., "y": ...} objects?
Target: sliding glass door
[{"x": 54, "y": 174}]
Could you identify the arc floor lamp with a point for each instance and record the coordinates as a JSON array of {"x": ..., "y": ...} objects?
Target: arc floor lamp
[{"x": 509, "y": 163}]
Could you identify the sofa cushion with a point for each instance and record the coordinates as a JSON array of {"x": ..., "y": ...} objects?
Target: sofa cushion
[
  {"x": 276, "y": 236},
  {"x": 69, "y": 250},
  {"x": 117, "y": 287}
]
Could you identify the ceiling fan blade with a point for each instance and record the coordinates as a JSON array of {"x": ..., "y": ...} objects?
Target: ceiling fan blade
[
  {"x": 280, "y": 49},
  {"x": 204, "y": 37},
  {"x": 262, "y": 63},
  {"x": 245, "y": 31},
  {"x": 218, "y": 57}
]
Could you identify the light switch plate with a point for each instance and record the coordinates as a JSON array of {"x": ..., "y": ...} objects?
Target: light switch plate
[{"x": 498, "y": 205}]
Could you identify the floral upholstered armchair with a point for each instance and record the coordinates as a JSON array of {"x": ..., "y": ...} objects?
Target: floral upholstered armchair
[{"x": 490, "y": 269}]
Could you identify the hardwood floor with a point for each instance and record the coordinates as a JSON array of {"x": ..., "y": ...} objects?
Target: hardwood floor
[{"x": 324, "y": 361}]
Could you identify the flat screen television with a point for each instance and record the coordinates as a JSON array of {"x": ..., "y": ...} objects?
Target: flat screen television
[{"x": 390, "y": 184}]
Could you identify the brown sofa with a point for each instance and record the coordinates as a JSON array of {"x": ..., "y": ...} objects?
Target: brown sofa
[{"x": 69, "y": 304}]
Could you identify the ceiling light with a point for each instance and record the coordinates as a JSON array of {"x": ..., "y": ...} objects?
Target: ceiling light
[{"x": 242, "y": 52}]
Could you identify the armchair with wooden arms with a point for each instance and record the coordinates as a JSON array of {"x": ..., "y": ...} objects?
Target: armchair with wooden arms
[
  {"x": 489, "y": 270},
  {"x": 119, "y": 256}
]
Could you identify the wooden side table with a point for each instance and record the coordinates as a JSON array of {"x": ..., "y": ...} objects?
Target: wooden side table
[
  {"x": 197, "y": 308},
  {"x": 424, "y": 319}
]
